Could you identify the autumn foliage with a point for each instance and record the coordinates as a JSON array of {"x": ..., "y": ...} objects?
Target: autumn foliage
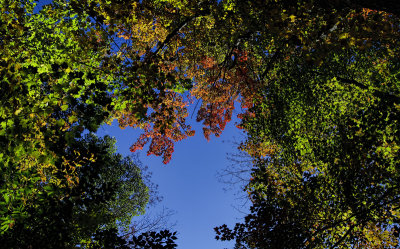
[{"x": 317, "y": 83}]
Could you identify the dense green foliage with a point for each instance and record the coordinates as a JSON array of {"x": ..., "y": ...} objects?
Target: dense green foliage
[
  {"x": 323, "y": 133},
  {"x": 42, "y": 113},
  {"x": 109, "y": 192},
  {"x": 318, "y": 83},
  {"x": 330, "y": 176},
  {"x": 58, "y": 187}
]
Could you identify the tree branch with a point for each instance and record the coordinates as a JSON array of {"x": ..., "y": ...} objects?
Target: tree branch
[{"x": 174, "y": 32}]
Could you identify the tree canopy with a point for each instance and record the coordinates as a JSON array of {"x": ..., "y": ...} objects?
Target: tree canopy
[
  {"x": 317, "y": 82},
  {"x": 324, "y": 138}
]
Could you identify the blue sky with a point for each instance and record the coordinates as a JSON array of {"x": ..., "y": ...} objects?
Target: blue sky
[{"x": 189, "y": 183}]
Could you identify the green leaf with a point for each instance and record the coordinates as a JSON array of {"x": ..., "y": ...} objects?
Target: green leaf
[{"x": 64, "y": 107}]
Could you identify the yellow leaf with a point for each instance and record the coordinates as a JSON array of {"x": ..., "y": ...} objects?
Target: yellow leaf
[
  {"x": 344, "y": 36},
  {"x": 72, "y": 119},
  {"x": 18, "y": 111},
  {"x": 352, "y": 41},
  {"x": 64, "y": 107}
]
